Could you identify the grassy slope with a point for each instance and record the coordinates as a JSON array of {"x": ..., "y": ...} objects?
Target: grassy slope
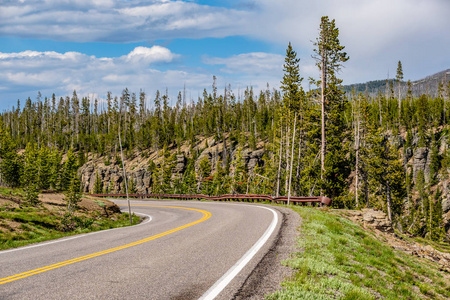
[
  {"x": 340, "y": 260},
  {"x": 20, "y": 226}
]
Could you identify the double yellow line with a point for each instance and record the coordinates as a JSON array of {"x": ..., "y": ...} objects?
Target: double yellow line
[{"x": 206, "y": 216}]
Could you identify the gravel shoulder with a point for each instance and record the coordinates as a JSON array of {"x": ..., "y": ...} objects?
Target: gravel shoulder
[{"x": 266, "y": 278}]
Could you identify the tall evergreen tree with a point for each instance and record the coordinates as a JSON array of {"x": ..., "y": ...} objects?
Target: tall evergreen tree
[
  {"x": 399, "y": 78},
  {"x": 329, "y": 56},
  {"x": 11, "y": 163}
]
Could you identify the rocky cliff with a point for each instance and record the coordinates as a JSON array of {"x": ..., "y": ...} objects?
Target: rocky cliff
[{"x": 137, "y": 166}]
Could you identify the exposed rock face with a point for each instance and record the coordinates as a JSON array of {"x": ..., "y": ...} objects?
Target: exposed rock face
[
  {"x": 408, "y": 154},
  {"x": 137, "y": 169},
  {"x": 422, "y": 163},
  {"x": 446, "y": 205},
  {"x": 255, "y": 159},
  {"x": 112, "y": 178},
  {"x": 180, "y": 167},
  {"x": 446, "y": 198},
  {"x": 446, "y": 221}
]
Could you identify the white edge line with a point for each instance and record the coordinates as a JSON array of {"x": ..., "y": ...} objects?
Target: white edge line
[
  {"x": 78, "y": 236},
  {"x": 220, "y": 284}
]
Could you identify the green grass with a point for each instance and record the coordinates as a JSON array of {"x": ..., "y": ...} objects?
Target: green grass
[
  {"x": 339, "y": 260},
  {"x": 37, "y": 224},
  {"x": 7, "y": 192}
]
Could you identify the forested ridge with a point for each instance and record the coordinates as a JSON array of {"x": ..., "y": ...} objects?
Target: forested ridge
[{"x": 387, "y": 151}]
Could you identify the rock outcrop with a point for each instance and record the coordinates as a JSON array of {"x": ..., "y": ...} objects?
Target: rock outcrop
[
  {"x": 137, "y": 168},
  {"x": 446, "y": 199},
  {"x": 373, "y": 219},
  {"x": 422, "y": 162},
  {"x": 112, "y": 178}
]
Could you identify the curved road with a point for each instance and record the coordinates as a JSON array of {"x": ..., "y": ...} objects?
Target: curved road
[{"x": 183, "y": 250}]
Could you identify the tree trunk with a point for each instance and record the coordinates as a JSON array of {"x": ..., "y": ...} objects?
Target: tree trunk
[
  {"x": 299, "y": 150},
  {"x": 357, "y": 159},
  {"x": 323, "y": 86},
  {"x": 292, "y": 160},
  {"x": 288, "y": 134},
  {"x": 388, "y": 198},
  {"x": 279, "y": 164}
]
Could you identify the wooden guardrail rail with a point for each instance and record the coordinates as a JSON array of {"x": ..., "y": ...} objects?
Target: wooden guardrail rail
[{"x": 321, "y": 200}]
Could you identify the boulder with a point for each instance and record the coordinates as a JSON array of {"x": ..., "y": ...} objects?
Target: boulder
[{"x": 377, "y": 220}]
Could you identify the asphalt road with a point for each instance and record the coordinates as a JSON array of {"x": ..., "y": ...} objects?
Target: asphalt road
[{"x": 184, "y": 250}]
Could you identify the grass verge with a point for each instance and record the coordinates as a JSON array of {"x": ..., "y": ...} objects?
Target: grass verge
[
  {"x": 340, "y": 260},
  {"x": 23, "y": 225}
]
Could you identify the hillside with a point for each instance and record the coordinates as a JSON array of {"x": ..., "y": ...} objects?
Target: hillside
[
  {"x": 21, "y": 224},
  {"x": 338, "y": 259},
  {"x": 428, "y": 85}
]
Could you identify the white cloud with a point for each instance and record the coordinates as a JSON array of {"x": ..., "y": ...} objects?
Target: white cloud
[
  {"x": 376, "y": 33},
  {"x": 118, "y": 21},
  {"x": 151, "y": 55},
  {"x": 24, "y": 73}
]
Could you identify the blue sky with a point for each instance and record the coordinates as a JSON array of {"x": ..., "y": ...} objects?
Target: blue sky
[{"x": 96, "y": 46}]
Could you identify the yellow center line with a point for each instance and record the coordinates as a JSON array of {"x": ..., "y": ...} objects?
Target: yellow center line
[{"x": 206, "y": 216}]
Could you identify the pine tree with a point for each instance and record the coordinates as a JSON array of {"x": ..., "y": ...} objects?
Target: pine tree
[
  {"x": 55, "y": 168},
  {"x": 31, "y": 194},
  {"x": 399, "y": 78},
  {"x": 132, "y": 186},
  {"x": 43, "y": 168},
  {"x": 240, "y": 174},
  {"x": 98, "y": 184},
  {"x": 385, "y": 173},
  {"x": 329, "y": 57},
  {"x": 30, "y": 169},
  {"x": 69, "y": 170},
  {"x": 293, "y": 109},
  {"x": 11, "y": 164},
  {"x": 73, "y": 195},
  {"x": 291, "y": 83}
]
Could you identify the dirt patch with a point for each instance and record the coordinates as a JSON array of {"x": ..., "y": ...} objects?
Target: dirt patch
[
  {"x": 87, "y": 203},
  {"x": 4, "y": 202},
  {"x": 55, "y": 204},
  {"x": 56, "y": 198},
  {"x": 9, "y": 225},
  {"x": 267, "y": 276}
]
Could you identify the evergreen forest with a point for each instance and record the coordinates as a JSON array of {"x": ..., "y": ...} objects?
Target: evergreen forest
[{"x": 387, "y": 151}]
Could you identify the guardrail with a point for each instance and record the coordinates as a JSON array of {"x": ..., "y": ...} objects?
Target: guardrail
[{"x": 320, "y": 200}]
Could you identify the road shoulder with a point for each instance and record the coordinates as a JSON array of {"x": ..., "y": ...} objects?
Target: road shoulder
[{"x": 267, "y": 276}]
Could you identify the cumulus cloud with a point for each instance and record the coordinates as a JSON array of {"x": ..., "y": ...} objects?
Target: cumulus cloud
[
  {"x": 150, "y": 55},
  {"x": 24, "y": 73}
]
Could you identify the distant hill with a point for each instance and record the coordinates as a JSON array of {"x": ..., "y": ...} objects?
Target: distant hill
[{"x": 428, "y": 85}]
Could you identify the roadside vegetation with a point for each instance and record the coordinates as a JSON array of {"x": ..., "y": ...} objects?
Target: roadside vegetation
[
  {"x": 338, "y": 259},
  {"x": 51, "y": 217}
]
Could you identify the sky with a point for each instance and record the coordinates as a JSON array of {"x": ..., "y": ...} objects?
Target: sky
[{"x": 96, "y": 46}]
